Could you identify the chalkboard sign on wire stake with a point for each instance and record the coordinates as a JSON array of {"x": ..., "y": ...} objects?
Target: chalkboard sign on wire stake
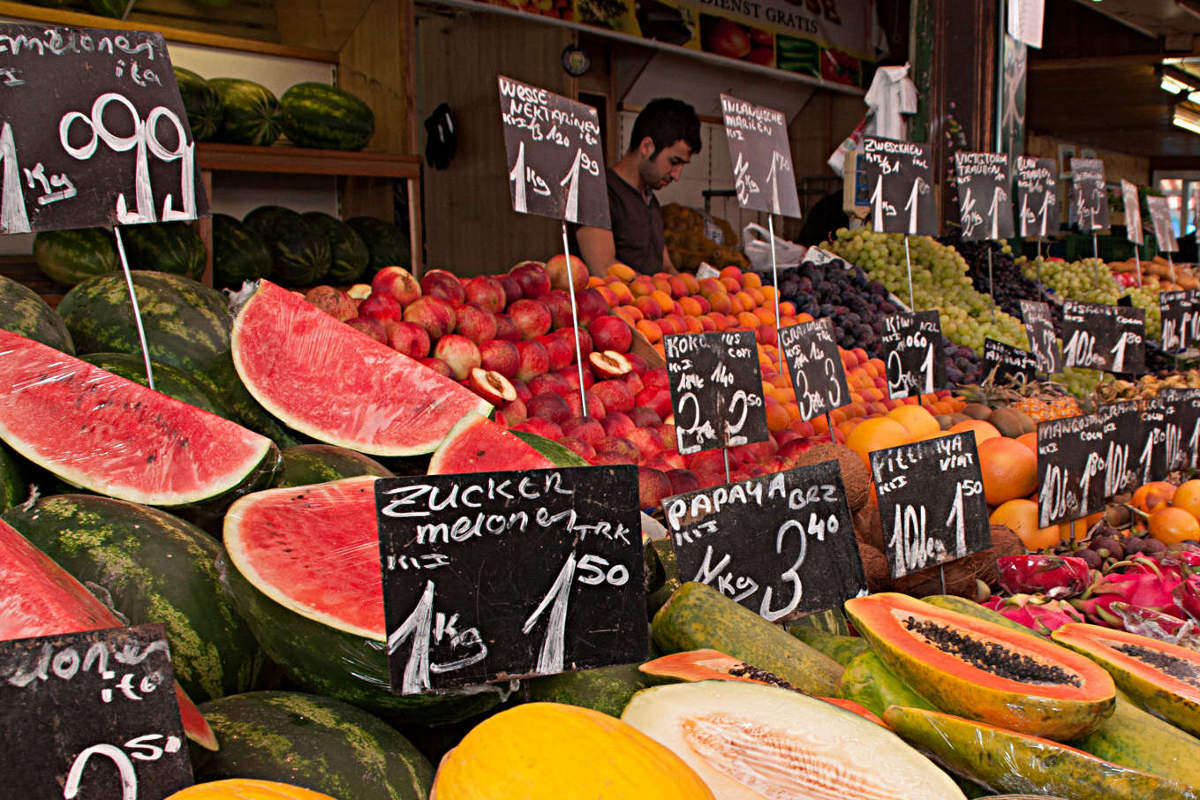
[
  {"x": 1133, "y": 223},
  {"x": 1164, "y": 231}
]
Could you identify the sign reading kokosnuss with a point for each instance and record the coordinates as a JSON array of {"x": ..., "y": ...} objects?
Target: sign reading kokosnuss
[
  {"x": 761, "y": 156},
  {"x": 92, "y": 131},
  {"x": 555, "y": 155}
]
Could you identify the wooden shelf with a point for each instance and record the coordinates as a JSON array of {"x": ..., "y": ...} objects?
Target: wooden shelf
[{"x": 305, "y": 161}]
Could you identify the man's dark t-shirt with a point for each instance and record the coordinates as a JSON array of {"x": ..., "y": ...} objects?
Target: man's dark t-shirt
[{"x": 637, "y": 226}]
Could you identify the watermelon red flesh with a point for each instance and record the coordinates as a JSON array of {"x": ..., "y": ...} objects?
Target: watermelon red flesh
[
  {"x": 113, "y": 436},
  {"x": 39, "y": 598},
  {"x": 327, "y": 380},
  {"x": 314, "y": 550},
  {"x": 476, "y": 444}
]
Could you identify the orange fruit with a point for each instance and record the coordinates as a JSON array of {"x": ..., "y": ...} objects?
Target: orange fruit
[
  {"x": 1009, "y": 469},
  {"x": 915, "y": 419},
  {"x": 877, "y": 433},
  {"x": 983, "y": 430},
  {"x": 1150, "y": 497},
  {"x": 621, "y": 272},
  {"x": 1187, "y": 497},
  {"x": 1021, "y": 515},
  {"x": 1170, "y": 525},
  {"x": 1029, "y": 440}
]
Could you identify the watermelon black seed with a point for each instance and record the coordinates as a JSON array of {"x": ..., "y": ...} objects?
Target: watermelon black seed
[
  {"x": 990, "y": 656},
  {"x": 744, "y": 670},
  {"x": 1176, "y": 667}
]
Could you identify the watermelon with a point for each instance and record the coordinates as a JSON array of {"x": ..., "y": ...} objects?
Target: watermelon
[
  {"x": 187, "y": 326},
  {"x": 317, "y": 463},
  {"x": 300, "y": 254},
  {"x": 249, "y": 112},
  {"x": 201, "y": 102},
  {"x": 107, "y": 8},
  {"x": 328, "y": 746},
  {"x": 349, "y": 256},
  {"x": 68, "y": 257},
  {"x": 39, "y": 598},
  {"x": 476, "y": 444},
  {"x": 371, "y": 399},
  {"x": 13, "y": 488},
  {"x": 318, "y": 115},
  {"x": 23, "y": 311},
  {"x": 239, "y": 253},
  {"x": 304, "y": 568},
  {"x": 173, "y": 247},
  {"x": 152, "y": 567},
  {"x": 388, "y": 244},
  {"x": 561, "y": 455},
  {"x": 167, "y": 379},
  {"x": 110, "y": 435}
]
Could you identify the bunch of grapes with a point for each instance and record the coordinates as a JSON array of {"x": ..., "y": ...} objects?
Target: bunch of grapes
[
  {"x": 1087, "y": 281},
  {"x": 1146, "y": 297}
]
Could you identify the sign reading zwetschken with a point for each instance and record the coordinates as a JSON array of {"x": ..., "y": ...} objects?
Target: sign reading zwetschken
[{"x": 895, "y": 180}]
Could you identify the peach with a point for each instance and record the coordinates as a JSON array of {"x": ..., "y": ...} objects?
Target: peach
[
  {"x": 433, "y": 314},
  {"x": 653, "y": 486},
  {"x": 437, "y": 365},
  {"x": 369, "y": 326},
  {"x": 408, "y": 338},
  {"x": 637, "y": 363},
  {"x": 333, "y": 302},
  {"x": 381, "y": 307},
  {"x": 492, "y": 386},
  {"x": 443, "y": 284},
  {"x": 560, "y": 350},
  {"x": 506, "y": 328},
  {"x": 655, "y": 398},
  {"x": 511, "y": 287},
  {"x": 586, "y": 340},
  {"x": 549, "y": 405},
  {"x": 616, "y": 450},
  {"x": 589, "y": 305},
  {"x": 621, "y": 272},
  {"x": 559, "y": 305},
  {"x": 571, "y": 375},
  {"x": 531, "y": 276},
  {"x": 562, "y": 278},
  {"x": 645, "y": 417},
  {"x": 513, "y": 413},
  {"x": 646, "y": 441},
  {"x": 398, "y": 282},
  {"x": 616, "y": 423},
  {"x": 486, "y": 292},
  {"x": 641, "y": 286},
  {"x": 532, "y": 318},
  {"x": 534, "y": 360},
  {"x": 540, "y": 427},
  {"x": 575, "y": 401},
  {"x": 586, "y": 429},
  {"x": 578, "y": 447},
  {"x": 460, "y": 354},
  {"x": 500, "y": 356},
  {"x": 608, "y": 364},
  {"x": 549, "y": 382},
  {"x": 683, "y": 480},
  {"x": 615, "y": 395},
  {"x": 475, "y": 323}
]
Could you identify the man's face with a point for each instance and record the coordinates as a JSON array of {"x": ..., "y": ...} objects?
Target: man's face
[{"x": 658, "y": 171}]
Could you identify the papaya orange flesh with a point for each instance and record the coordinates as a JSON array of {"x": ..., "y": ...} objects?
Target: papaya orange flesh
[
  {"x": 984, "y": 671},
  {"x": 1161, "y": 677}
]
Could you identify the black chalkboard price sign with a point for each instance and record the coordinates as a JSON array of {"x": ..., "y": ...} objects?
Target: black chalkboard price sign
[
  {"x": 1110, "y": 338},
  {"x": 1176, "y": 456},
  {"x": 761, "y": 156},
  {"x": 1161, "y": 441},
  {"x": 782, "y": 544},
  {"x": 984, "y": 186},
  {"x": 818, "y": 375},
  {"x": 91, "y": 715},
  {"x": 715, "y": 390},
  {"x": 1043, "y": 341},
  {"x": 1185, "y": 415},
  {"x": 1072, "y": 462},
  {"x": 1088, "y": 209},
  {"x": 931, "y": 502},
  {"x": 494, "y": 576},
  {"x": 1037, "y": 196},
  {"x": 1128, "y": 350},
  {"x": 895, "y": 180},
  {"x": 1133, "y": 212},
  {"x": 555, "y": 155},
  {"x": 912, "y": 353},
  {"x": 92, "y": 131},
  {"x": 1180, "y": 319},
  {"x": 1009, "y": 363},
  {"x": 1160, "y": 218},
  {"x": 1121, "y": 425}
]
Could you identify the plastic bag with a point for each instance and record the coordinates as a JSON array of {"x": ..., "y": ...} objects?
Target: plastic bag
[{"x": 756, "y": 243}]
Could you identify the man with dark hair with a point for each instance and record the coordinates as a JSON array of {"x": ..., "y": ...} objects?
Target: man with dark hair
[{"x": 665, "y": 137}]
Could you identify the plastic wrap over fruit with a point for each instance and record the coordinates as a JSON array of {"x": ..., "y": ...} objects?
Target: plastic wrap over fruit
[
  {"x": 1156, "y": 625},
  {"x": 1036, "y": 612},
  {"x": 1054, "y": 576}
]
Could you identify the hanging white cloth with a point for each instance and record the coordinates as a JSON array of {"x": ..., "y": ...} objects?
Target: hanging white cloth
[{"x": 892, "y": 96}]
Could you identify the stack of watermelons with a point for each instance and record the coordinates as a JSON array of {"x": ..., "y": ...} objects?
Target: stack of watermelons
[{"x": 71, "y": 256}]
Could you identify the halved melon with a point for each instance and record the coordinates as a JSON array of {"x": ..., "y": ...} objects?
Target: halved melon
[
  {"x": 985, "y": 671},
  {"x": 1161, "y": 677},
  {"x": 323, "y": 378},
  {"x": 101, "y": 432},
  {"x": 476, "y": 444},
  {"x": 1007, "y": 761},
  {"x": 750, "y": 742}
]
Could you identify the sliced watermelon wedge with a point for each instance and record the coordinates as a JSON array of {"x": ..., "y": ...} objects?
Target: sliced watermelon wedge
[
  {"x": 323, "y": 378},
  {"x": 39, "y": 598},
  {"x": 476, "y": 444},
  {"x": 102, "y": 432}
]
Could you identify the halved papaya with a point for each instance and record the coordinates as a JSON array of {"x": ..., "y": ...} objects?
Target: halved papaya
[
  {"x": 750, "y": 742},
  {"x": 1161, "y": 677},
  {"x": 1007, "y": 761},
  {"x": 984, "y": 671}
]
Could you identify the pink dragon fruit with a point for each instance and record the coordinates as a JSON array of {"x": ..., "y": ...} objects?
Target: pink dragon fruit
[
  {"x": 1054, "y": 576},
  {"x": 1144, "y": 587},
  {"x": 1037, "y": 612}
]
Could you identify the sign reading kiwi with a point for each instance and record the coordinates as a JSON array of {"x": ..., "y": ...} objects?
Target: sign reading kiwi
[
  {"x": 782, "y": 545},
  {"x": 912, "y": 353},
  {"x": 1037, "y": 196},
  {"x": 1088, "y": 209},
  {"x": 1072, "y": 461},
  {"x": 715, "y": 385},
  {"x": 1043, "y": 341},
  {"x": 818, "y": 375},
  {"x": 760, "y": 153},
  {"x": 1121, "y": 426},
  {"x": 983, "y": 184},
  {"x": 931, "y": 502},
  {"x": 895, "y": 181},
  {"x": 1005, "y": 362}
]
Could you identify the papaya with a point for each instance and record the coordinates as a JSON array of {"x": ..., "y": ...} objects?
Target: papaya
[
  {"x": 984, "y": 671},
  {"x": 842, "y": 649},
  {"x": 868, "y": 682},
  {"x": 1134, "y": 738},
  {"x": 1160, "y": 677},
  {"x": 1008, "y": 761}
]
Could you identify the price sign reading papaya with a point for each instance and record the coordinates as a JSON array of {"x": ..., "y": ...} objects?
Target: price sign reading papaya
[
  {"x": 92, "y": 131},
  {"x": 1037, "y": 196},
  {"x": 1088, "y": 209},
  {"x": 912, "y": 354},
  {"x": 91, "y": 715},
  {"x": 500, "y": 575},
  {"x": 1072, "y": 464},
  {"x": 984, "y": 205},
  {"x": 761, "y": 156},
  {"x": 895, "y": 180},
  {"x": 716, "y": 394},
  {"x": 1043, "y": 341},
  {"x": 555, "y": 155},
  {"x": 818, "y": 374}
]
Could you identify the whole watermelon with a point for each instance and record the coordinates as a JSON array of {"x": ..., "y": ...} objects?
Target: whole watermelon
[
  {"x": 13, "y": 488},
  {"x": 306, "y": 464},
  {"x": 388, "y": 244},
  {"x": 23, "y": 311},
  {"x": 249, "y": 112},
  {"x": 107, "y": 8},
  {"x": 239, "y": 253},
  {"x": 315, "y": 742},
  {"x": 201, "y": 102},
  {"x": 173, "y": 247},
  {"x": 150, "y": 566},
  {"x": 349, "y": 256},
  {"x": 168, "y": 380},
  {"x": 318, "y": 115},
  {"x": 68, "y": 257},
  {"x": 300, "y": 255}
]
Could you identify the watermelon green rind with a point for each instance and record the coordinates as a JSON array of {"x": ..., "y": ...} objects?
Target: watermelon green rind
[
  {"x": 13, "y": 488},
  {"x": 167, "y": 379},
  {"x": 373, "y": 399},
  {"x": 239, "y": 253},
  {"x": 173, "y": 247},
  {"x": 315, "y": 742},
  {"x": 23, "y": 311},
  {"x": 306, "y": 464},
  {"x": 604, "y": 689},
  {"x": 71, "y": 256},
  {"x": 318, "y": 115},
  {"x": 349, "y": 256},
  {"x": 153, "y": 567},
  {"x": 388, "y": 244},
  {"x": 476, "y": 444},
  {"x": 300, "y": 254},
  {"x": 559, "y": 455},
  {"x": 249, "y": 112},
  {"x": 201, "y": 102}
]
